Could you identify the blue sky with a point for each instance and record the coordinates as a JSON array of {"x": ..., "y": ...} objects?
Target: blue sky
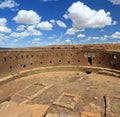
[{"x": 26, "y": 23}]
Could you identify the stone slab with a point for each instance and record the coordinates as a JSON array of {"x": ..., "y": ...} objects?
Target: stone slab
[
  {"x": 60, "y": 115},
  {"x": 7, "y": 104},
  {"x": 52, "y": 115},
  {"x": 90, "y": 114},
  {"x": 18, "y": 98},
  {"x": 25, "y": 110},
  {"x": 38, "y": 93},
  {"x": 71, "y": 105},
  {"x": 31, "y": 90},
  {"x": 23, "y": 96},
  {"x": 113, "y": 106}
]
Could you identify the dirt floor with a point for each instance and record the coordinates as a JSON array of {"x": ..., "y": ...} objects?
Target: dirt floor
[{"x": 66, "y": 91}]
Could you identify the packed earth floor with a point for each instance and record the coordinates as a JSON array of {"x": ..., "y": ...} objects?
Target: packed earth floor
[{"x": 69, "y": 92}]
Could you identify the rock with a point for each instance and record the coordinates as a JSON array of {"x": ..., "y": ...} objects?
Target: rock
[
  {"x": 90, "y": 114},
  {"x": 5, "y": 99},
  {"x": 52, "y": 115},
  {"x": 95, "y": 108},
  {"x": 60, "y": 115},
  {"x": 7, "y": 104},
  {"x": 25, "y": 110},
  {"x": 95, "y": 98},
  {"x": 87, "y": 89}
]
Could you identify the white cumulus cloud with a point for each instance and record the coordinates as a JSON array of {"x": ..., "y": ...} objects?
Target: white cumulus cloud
[
  {"x": 101, "y": 38},
  {"x": 21, "y": 27},
  {"x": 36, "y": 39},
  {"x": 3, "y": 21},
  {"x": 3, "y": 27},
  {"x": 3, "y": 37},
  {"x": 52, "y": 21},
  {"x": 8, "y": 4},
  {"x": 83, "y": 17},
  {"x": 116, "y": 35},
  {"x": 115, "y": 1},
  {"x": 19, "y": 35},
  {"x": 30, "y": 31},
  {"x": 68, "y": 41},
  {"x": 27, "y": 17},
  {"x": 45, "y": 25},
  {"x": 71, "y": 31},
  {"x": 80, "y": 36},
  {"x": 61, "y": 24}
]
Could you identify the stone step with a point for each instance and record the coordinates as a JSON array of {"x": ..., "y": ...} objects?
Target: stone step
[{"x": 110, "y": 73}]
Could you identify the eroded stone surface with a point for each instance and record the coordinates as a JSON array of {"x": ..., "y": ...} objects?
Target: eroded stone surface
[
  {"x": 113, "y": 106},
  {"x": 60, "y": 115},
  {"x": 7, "y": 104},
  {"x": 52, "y": 115},
  {"x": 25, "y": 111},
  {"x": 69, "y": 102},
  {"x": 90, "y": 91},
  {"x": 29, "y": 92},
  {"x": 90, "y": 114}
]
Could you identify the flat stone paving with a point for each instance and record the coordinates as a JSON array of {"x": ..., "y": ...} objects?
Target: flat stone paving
[
  {"x": 67, "y": 100},
  {"x": 60, "y": 115},
  {"x": 113, "y": 106},
  {"x": 66, "y": 92},
  {"x": 83, "y": 114},
  {"x": 25, "y": 111},
  {"x": 30, "y": 92},
  {"x": 90, "y": 114}
]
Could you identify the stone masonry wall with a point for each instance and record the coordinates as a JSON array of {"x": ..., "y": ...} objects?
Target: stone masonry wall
[{"x": 13, "y": 61}]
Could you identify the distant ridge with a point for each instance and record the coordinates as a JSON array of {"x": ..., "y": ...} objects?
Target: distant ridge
[{"x": 1, "y": 48}]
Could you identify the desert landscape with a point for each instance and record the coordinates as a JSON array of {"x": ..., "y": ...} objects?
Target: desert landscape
[
  {"x": 59, "y": 58},
  {"x": 60, "y": 81}
]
